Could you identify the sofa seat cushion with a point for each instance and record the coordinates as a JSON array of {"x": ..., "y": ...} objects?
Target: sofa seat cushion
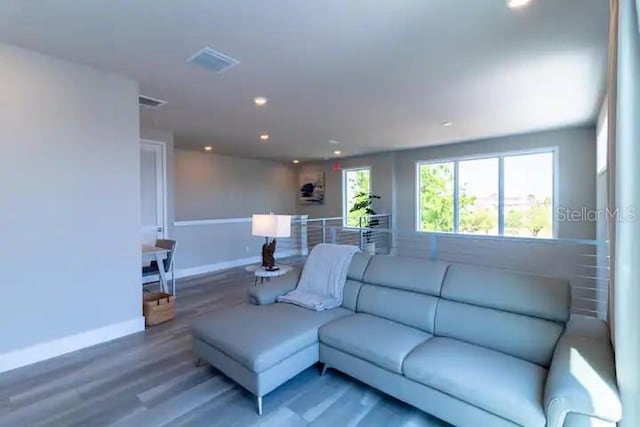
[
  {"x": 258, "y": 337},
  {"x": 508, "y": 387},
  {"x": 376, "y": 340}
]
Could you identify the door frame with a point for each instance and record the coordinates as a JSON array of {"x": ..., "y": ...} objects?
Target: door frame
[{"x": 161, "y": 178}]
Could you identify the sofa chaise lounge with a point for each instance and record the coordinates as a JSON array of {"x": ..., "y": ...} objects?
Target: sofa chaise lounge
[{"x": 470, "y": 345}]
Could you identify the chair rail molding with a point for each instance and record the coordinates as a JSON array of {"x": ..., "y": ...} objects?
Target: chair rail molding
[{"x": 218, "y": 221}]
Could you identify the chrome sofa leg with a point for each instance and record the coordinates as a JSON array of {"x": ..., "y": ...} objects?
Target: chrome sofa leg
[
  {"x": 259, "y": 402},
  {"x": 324, "y": 369}
]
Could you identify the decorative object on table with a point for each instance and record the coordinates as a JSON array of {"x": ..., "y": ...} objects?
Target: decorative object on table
[
  {"x": 311, "y": 188},
  {"x": 268, "y": 260},
  {"x": 363, "y": 207},
  {"x": 270, "y": 226},
  {"x": 158, "y": 307}
]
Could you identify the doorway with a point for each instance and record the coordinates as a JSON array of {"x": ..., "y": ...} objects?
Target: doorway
[{"x": 153, "y": 190}]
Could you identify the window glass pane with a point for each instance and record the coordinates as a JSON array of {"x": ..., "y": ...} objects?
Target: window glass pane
[
  {"x": 357, "y": 186},
  {"x": 436, "y": 197},
  {"x": 478, "y": 188},
  {"x": 528, "y": 195}
]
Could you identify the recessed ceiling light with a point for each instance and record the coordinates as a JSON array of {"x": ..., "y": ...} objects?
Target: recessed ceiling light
[
  {"x": 208, "y": 148},
  {"x": 260, "y": 101},
  {"x": 296, "y": 161},
  {"x": 514, "y": 4},
  {"x": 264, "y": 136},
  {"x": 337, "y": 152},
  {"x": 334, "y": 142},
  {"x": 446, "y": 124}
]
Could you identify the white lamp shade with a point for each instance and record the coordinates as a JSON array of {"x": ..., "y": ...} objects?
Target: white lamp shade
[{"x": 271, "y": 225}]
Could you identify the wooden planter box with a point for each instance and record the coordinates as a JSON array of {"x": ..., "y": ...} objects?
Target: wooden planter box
[{"x": 158, "y": 307}]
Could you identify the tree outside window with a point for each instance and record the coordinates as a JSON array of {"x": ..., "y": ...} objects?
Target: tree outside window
[
  {"x": 436, "y": 197},
  {"x": 355, "y": 182}
]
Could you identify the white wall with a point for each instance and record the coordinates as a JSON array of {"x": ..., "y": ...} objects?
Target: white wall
[{"x": 70, "y": 216}]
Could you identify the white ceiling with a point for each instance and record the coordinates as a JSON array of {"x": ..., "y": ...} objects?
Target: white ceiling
[{"x": 373, "y": 74}]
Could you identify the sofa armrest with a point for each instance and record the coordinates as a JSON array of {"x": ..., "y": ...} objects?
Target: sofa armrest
[
  {"x": 268, "y": 292},
  {"x": 582, "y": 376}
]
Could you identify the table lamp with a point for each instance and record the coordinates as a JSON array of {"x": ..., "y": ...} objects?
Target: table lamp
[{"x": 270, "y": 226}]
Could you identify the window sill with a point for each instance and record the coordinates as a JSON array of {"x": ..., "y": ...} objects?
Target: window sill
[{"x": 502, "y": 238}]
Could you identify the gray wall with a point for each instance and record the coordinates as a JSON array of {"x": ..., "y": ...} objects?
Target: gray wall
[
  {"x": 70, "y": 217},
  {"x": 382, "y": 178},
  {"x": 393, "y": 175},
  {"x": 212, "y": 186}
]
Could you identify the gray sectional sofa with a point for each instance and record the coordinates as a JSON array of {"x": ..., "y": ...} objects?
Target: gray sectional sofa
[{"x": 472, "y": 346}]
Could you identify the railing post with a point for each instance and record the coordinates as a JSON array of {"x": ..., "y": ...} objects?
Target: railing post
[
  {"x": 333, "y": 235},
  {"x": 361, "y": 234},
  {"x": 389, "y": 234},
  {"x": 433, "y": 247},
  {"x": 304, "y": 238},
  {"x": 324, "y": 230}
]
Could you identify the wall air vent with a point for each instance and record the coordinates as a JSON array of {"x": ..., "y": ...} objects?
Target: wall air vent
[
  {"x": 213, "y": 60},
  {"x": 147, "y": 101}
]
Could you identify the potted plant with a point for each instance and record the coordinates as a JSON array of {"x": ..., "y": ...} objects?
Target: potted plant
[{"x": 363, "y": 208}]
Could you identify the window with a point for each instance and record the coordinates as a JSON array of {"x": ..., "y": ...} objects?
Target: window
[
  {"x": 355, "y": 182},
  {"x": 500, "y": 195}
]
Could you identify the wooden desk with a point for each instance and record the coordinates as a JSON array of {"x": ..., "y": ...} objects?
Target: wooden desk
[{"x": 159, "y": 254}]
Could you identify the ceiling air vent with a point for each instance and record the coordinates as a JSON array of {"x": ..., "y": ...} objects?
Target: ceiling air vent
[
  {"x": 147, "y": 101},
  {"x": 213, "y": 60}
]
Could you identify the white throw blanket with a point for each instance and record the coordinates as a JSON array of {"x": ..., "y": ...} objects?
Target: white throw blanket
[{"x": 323, "y": 278}]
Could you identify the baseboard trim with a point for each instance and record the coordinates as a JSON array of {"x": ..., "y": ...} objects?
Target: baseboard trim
[
  {"x": 39, "y": 352},
  {"x": 225, "y": 265}
]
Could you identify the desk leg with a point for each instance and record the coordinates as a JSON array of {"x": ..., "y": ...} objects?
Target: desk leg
[{"x": 163, "y": 274}]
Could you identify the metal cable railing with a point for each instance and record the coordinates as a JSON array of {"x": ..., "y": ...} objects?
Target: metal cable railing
[{"x": 584, "y": 263}]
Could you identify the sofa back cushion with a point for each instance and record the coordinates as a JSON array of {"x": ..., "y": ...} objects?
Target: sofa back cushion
[
  {"x": 350, "y": 294},
  {"x": 404, "y": 290},
  {"x": 358, "y": 266},
  {"x": 518, "y": 314}
]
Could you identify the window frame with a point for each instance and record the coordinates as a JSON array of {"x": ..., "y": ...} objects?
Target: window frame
[
  {"x": 345, "y": 206},
  {"x": 602, "y": 145},
  {"x": 501, "y": 214}
]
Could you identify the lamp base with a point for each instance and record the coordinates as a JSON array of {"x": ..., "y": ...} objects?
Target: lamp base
[{"x": 268, "y": 250}]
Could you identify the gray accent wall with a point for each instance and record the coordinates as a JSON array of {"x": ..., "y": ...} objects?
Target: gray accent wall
[
  {"x": 69, "y": 185},
  {"x": 394, "y": 175},
  {"x": 382, "y": 183},
  {"x": 213, "y": 186},
  {"x": 210, "y": 186}
]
